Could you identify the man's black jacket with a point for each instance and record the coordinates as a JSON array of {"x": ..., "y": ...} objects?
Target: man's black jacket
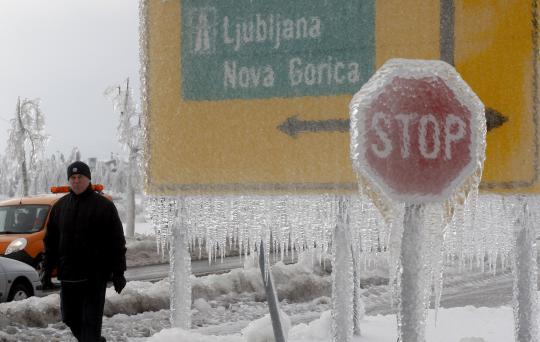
[{"x": 84, "y": 238}]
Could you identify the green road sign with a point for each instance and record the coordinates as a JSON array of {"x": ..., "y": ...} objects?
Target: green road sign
[{"x": 264, "y": 49}]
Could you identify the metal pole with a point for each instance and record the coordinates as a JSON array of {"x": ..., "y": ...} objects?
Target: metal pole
[
  {"x": 180, "y": 273},
  {"x": 411, "y": 316},
  {"x": 358, "y": 303},
  {"x": 342, "y": 273},
  {"x": 525, "y": 276},
  {"x": 447, "y": 23},
  {"x": 271, "y": 298}
]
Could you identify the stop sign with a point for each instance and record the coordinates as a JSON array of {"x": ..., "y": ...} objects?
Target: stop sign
[{"x": 417, "y": 130}]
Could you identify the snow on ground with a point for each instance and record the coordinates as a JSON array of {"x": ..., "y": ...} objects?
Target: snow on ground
[
  {"x": 466, "y": 324},
  {"x": 229, "y": 307}
]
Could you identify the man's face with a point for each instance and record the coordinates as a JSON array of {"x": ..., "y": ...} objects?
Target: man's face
[{"x": 78, "y": 183}]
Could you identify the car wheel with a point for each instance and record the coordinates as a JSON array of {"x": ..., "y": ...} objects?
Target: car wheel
[
  {"x": 19, "y": 291},
  {"x": 38, "y": 264}
]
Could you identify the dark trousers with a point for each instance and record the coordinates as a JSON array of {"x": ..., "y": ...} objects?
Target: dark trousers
[{"x": 81, "y": 304}]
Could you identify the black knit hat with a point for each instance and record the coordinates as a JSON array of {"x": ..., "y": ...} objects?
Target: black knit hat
[{"x": 78, "y": 168}]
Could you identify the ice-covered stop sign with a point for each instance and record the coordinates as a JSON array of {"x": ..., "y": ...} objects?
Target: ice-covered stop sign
[{"x": 417, "y": 130}]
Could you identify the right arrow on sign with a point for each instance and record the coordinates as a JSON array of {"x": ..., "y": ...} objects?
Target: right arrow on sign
[
  {"x": 494, "y": 119},
  {"x": 293, "y": 126}
]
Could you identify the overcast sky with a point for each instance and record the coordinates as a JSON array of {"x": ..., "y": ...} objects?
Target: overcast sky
[{"x": 67, "y": 52}]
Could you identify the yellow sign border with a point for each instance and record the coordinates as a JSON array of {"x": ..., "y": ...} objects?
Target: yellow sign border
[{"x": 423, "y": 46}]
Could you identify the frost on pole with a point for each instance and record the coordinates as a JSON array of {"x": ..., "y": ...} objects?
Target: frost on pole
[
  {"x": 417, "y": 131},
  {"x": 418, "y": 139}
]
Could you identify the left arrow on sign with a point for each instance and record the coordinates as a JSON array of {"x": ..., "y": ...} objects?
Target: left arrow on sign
[{"x": 293, "y": 126}]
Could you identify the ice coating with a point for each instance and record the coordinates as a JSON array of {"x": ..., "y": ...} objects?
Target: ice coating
[
  {"x": 481, "y": 229},
  {"x": 479, "y": 236},
  {"x": 417, "y": 131},
  {"x": 143, "y": 77},
  {"x": 525, "y": 297},
  {"x": 163, "y": 214},
  {"x": 180, "y": 277},
  {"x": 372, "y": 236},
  {"x": 417, "y": 138},
  {"x": 342, "y": 284},
  {"x": 296, "y": 223}
]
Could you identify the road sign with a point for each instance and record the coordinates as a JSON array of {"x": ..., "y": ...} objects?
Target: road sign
[
  {"x": 233, "y": 105},
  {"x": 231, "y": 83},
  {"x": 260, "y": 49},
  {"x": 417, "y": 130}
]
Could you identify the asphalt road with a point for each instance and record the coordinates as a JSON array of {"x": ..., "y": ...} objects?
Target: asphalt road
[
  {"x": 459, "y": 289},
  {"x": 198, "y": 268}
]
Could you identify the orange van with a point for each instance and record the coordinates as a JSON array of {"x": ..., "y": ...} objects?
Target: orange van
[{"x": 23, "y": 223}]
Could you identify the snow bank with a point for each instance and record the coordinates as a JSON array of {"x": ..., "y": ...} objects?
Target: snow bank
[
  {"x": 295, "y": 283},
  {"x": 137, "y": 297},
  {"x": 298, "y": 282},
  {"x": 182, "y": 335},
  {"x": 33, "y": 311},
  {"x": 227, "y": 310},
  {"x": 466, "y": 324},
  {"x": 261, "y": 330}
]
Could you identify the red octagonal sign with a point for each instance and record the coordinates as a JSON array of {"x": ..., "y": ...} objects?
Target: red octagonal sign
[{"x": 417, "y": 130}]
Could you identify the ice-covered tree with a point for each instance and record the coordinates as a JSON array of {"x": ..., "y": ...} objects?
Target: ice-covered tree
[
  {"x": 54, "y": 171},
  {"x": 130, "y": 136},
  {"x": 111, "y": 173},
  {"x": 8, "y": 180},
  {"x": 26, "y": 143},
  {"x": 74, "y": 156},
  {"x": 54, "y": 168}
]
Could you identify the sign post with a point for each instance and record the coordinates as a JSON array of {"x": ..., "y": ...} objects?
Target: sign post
[
  {"x": 271, "y": 296},
  {"x": 417, "y": 133},
  {"x": 525, "y": 270},
  {"x": 343, "y": 320}
]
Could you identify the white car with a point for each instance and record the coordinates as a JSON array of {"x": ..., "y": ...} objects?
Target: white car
[{"x": 17, "y": 280}]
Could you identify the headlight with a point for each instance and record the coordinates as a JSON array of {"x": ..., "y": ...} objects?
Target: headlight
[{"x": 16, "y": 245}]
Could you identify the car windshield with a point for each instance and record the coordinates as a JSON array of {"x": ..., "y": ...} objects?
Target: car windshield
[{"x": 22, "y": 219}]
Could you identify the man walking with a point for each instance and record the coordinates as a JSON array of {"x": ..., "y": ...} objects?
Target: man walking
[{"x": 85, "y": 241}]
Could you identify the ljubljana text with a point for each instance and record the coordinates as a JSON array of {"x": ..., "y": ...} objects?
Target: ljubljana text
[
  {"x": 293, "y": 43},
  {"x": 270, "y": 29}
]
